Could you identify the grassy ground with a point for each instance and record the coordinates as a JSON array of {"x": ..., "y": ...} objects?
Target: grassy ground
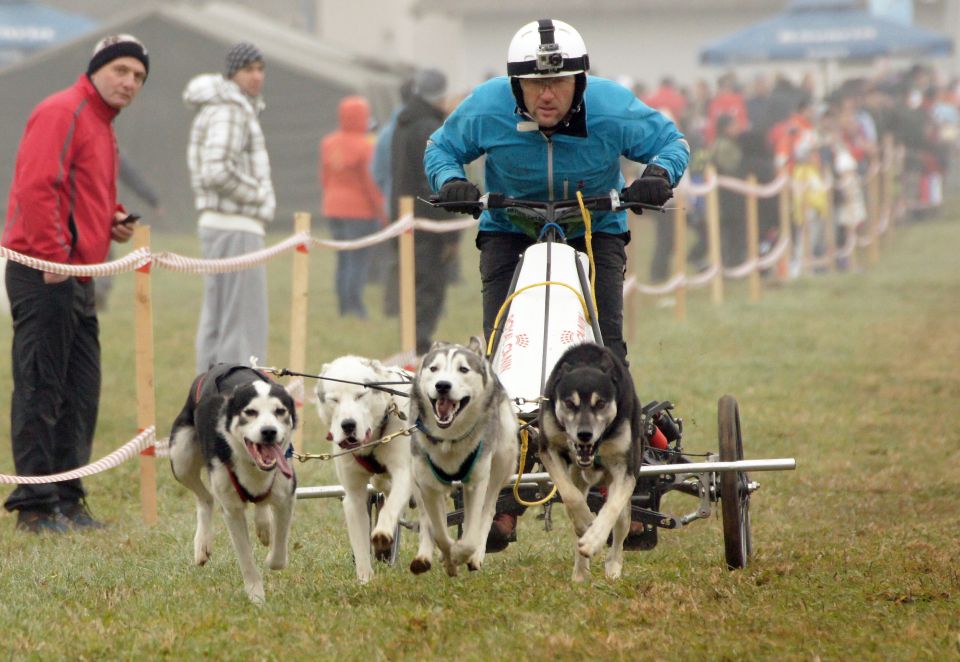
[{"x": 856, "y": 554}]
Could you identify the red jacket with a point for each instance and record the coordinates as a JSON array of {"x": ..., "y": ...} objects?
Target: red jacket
[
  {"x": 64, "y": 191},
  {"x": 345, "y": 178}
]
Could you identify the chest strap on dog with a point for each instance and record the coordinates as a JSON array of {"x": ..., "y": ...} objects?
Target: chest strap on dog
[
  {"x": 462, "y": 474},
  {"x": 369, "y": 462},
  {"x": 242, "y": 491}
]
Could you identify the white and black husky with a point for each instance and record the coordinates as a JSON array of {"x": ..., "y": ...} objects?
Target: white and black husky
[
  {"x": 239, "y": 425},
  {"x": 356, "y": 416},
  {"x": 591, "y": 435},
  {"x": 467, "y": 433}
]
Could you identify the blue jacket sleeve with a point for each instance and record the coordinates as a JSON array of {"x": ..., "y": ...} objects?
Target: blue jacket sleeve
[
  {"x": 651, "y": 137},
  {"x": 452, "y": 146}
]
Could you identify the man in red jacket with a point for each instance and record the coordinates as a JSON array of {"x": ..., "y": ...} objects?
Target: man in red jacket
[{"x": 63, "y": 209}]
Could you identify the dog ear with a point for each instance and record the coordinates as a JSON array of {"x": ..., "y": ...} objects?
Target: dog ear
[
  {"x": 318, "y": 388},
  {"x": 477, "y": 346}
]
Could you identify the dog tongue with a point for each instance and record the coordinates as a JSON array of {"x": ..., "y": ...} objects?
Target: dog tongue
[
  {"x": 263, "y": 453},
  {"x": 445, "y": 407}
]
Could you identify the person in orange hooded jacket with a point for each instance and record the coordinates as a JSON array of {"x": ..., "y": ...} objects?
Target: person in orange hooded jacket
[{"x": 352, "y": 203}]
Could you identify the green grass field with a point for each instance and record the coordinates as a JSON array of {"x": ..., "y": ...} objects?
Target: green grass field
[{"x": 856, "y": 552}]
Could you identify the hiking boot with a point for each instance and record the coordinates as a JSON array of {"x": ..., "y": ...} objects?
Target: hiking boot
[
  {"x": 641, "y": 537},
  {"x": 503, "y": 531},
  {"x": 41, "y": 521},
  {"x": 78, "y": 515}
]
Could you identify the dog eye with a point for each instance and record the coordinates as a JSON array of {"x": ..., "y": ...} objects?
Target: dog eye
[
  {"x": 280, "y": 412},
  {"x": 464, "y": 369},
  {"x": 599, "y": 404},
  {"x": 569, "y": 404},
  {"x": 250, "y": 412},
  {"x": 433, "y": 368}
]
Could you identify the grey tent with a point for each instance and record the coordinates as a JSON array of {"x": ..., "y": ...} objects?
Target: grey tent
[{"x": 305, "y": 81}]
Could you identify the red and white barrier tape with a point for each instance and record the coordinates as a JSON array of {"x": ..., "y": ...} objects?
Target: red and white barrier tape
[
  {"x": 130, "y": 262},
  {"x": 129, "y": 450}
]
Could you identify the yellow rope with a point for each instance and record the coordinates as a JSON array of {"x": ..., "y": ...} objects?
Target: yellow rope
[
  {"x": 588, "y": 237},
  {"x": 524, "y": 435},
  {"x": 503, "y": 307}
]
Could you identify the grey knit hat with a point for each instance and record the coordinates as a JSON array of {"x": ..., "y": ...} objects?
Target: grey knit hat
[
  {"x": 240, "y": 56},
  {"x": 430, "y": 84}
]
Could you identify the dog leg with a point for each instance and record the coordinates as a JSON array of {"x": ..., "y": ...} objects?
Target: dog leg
[
  {"x": 499, "y": 473},
  {"x": 261, "y": 523},
  {"x": 358, "y": 522},
  {"x": 573, "y": 500},
  {"x": 434, "y": 502},
  {"x": 421, "y": 563},
  {"x": 618, "y": 497},
  {"x": 393, "y": 506},
  {"x": 613, "y": 566},
  {"x": 473, "y": 505},
  {"x": 282, "y": 512},
  {"x": 581, "y": 567},
  {"x": 237, "y": 526},
  {"x": 186, "y": 462}
]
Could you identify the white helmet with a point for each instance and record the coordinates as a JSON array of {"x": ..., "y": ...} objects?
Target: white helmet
[{"x": 546, "y": 49}]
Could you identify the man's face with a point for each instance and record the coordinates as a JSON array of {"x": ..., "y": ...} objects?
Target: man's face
[
  {"x": 250, "y": 78},
  {"x": 119, "y": 81},
  {"x": 548, "y": 100}
]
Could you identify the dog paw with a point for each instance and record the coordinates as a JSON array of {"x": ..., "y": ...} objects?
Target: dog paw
[
  {"x": 450, "y": 567},
  {"x": 476, "y": 561},
  {"x": 256, "y": 595},
  {"x": 382, "y": 545},
  {"x": 364, "y": 576},
  {"x": 613, "y": 570},
  {"x": 201, "y": 553},
  {"x": 461, "y": 552},
  {"x": 579, "y": 576},
  {"x": 276, "y": 561},
  {"x": 588, "y": 545},
  {"x": 418, "y": 566}
]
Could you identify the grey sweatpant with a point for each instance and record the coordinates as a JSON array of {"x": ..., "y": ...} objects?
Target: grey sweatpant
[{"x": 234, "y": 318}]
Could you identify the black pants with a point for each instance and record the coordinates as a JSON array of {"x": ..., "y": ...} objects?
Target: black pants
[
  {"x": 500, "y": 252},
  {"x": 434, "y": 258},
  {"x": 56, "y": 383}
]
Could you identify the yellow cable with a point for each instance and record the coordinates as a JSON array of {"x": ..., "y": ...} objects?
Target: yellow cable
[
  {"x": 589, "y": 239},
  {"x": 524, "y": 435},
  {"x": 503, "y": 307}
]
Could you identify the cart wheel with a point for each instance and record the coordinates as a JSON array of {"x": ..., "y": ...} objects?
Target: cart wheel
[{"x": 734, "y": 493}]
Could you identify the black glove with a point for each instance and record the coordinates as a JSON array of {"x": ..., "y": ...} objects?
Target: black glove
[
  {"x": 652, "y": 188},
  {"x": 460, "y": 190}
]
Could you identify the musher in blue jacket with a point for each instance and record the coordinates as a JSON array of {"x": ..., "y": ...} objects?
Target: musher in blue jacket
[{"x": 548, "y": 130}]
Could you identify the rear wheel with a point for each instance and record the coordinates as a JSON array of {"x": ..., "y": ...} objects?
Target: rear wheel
[{"x": 734, "y": 487}]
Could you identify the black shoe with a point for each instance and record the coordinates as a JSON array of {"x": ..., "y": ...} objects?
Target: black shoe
[
  {"x": 641, "y": 537},
  {"x": 503, "y": 531},
  {"x": 78, "y": 515},
  {"x": 41, "y": 521}
]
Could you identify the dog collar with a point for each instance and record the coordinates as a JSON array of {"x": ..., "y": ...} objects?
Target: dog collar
[
  {"x": 369, "y": 462},
  {"x": 462, "y": 474},
  {"x": 242, "y": 491},
  {"x": 423, "y": 430}
]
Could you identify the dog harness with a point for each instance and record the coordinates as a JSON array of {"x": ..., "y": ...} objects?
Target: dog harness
[
  {"x": 242, "y": 491},
  {"x": 462, "y": 474}
]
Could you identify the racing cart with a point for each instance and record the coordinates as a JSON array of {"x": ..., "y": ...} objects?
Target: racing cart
[{"x": 549, "y": 308}]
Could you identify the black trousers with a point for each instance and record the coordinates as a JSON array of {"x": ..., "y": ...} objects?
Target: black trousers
[
  {"x": 434, "y": 258},
  {"x": 500, "y": 252},
  {"x": 56, "y": 383}
]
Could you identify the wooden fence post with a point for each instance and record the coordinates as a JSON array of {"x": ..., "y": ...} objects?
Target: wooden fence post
[
  {"x": 146, "y": 397},
  {"x": 753, "y": 238},
  {"x": 680, "y": 258},
  {"x": 713, "y": 236},
  {"x": 299, "y": 300},
  {"x": 408, "y": 281},
  {"x": 786, "y": 229}
]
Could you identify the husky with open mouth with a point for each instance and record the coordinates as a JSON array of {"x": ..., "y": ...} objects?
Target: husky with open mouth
[
  {"x": 239, "y": 425},
  {"x": 357, "y": 417},
  {"x": 591, "y": 435},
  {"x": 467, "y": 434}
]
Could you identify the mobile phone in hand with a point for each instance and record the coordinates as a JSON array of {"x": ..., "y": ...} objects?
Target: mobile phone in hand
[{"x": 131, "y": 218}]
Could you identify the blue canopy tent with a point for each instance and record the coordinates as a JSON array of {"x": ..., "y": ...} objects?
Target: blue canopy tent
[
  {"x": 824, "y": 30},
  {"x": 27, "y": 27}
]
